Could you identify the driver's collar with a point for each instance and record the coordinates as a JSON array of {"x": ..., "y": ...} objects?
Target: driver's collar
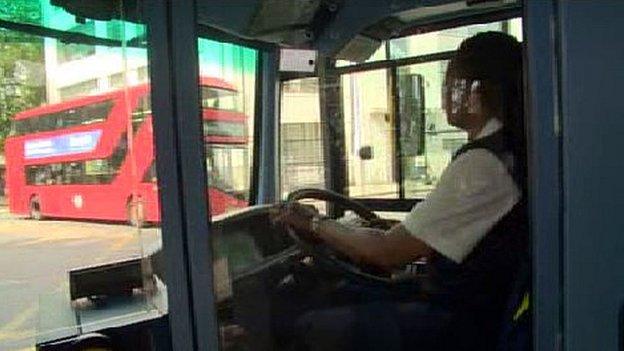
[{"x": 492, "y": 126}]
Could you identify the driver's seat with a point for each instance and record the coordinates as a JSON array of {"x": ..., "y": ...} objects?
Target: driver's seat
[{"x": 516, "y": 331}]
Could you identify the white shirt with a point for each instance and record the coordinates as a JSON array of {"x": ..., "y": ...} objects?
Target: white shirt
[{"x": 474, "y": 192}]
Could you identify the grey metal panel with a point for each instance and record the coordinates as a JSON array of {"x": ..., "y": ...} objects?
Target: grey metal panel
[
  {"x": 182, "y": 174},
  {"x": 544, "y": 168},
  {"x": 178, "y": 293},
  {"x": 192, "y": 161},
  {"x": 353, "y": 17},
  {"x": 593, "y": 121},
  {"x": 268, "y": 175},
  {"x": 332, "y": 129},
  {"x": 232, "y": 16}
]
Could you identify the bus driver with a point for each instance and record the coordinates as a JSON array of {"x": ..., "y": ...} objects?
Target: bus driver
[{"x": 471, "y": 228}]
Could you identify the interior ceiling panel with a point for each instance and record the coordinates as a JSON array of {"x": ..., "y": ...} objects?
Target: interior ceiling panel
[
  {"x": 326, "y": 25},
  {"x": 279, "y": 15},
  {"x": 232, "y": 16}
]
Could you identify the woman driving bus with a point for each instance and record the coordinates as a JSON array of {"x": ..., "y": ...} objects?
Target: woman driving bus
[{"x": 471, "y": 229}]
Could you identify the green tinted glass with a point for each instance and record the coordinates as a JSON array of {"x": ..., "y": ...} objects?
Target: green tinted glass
[{"x": 55, "y": 18}]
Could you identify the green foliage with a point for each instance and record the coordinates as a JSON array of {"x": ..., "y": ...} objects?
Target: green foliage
[
  {"x": 19, "y": 93},
  {"x": 21, "y": 11}
]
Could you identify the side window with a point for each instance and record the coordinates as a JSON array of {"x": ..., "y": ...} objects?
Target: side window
[
  {"x": 424, "y": 158},
  {"x": 369, "y": 124},
  {"x": 83, "y": 115},
  {"x": 301, "y": 136},
  {"x": 448, "y": 39},
  {"x": 397, "y": 138}
]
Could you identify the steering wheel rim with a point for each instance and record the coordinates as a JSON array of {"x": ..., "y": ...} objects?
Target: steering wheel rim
[
  {"x": 331, "y": 196},
  {"x": 323, "y": 253}
]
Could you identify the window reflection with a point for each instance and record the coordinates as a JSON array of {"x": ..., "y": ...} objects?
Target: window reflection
[
  {"x": 220, "y": 99},
  {"x": 73, "y": 52},
  {"x": 228, "y": 75}
]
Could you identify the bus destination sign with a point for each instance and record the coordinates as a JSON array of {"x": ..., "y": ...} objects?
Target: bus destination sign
[{"x": 62, "y": 145}]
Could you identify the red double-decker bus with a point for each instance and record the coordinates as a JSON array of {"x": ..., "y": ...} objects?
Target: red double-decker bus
[{"x": 93, "y": 157}]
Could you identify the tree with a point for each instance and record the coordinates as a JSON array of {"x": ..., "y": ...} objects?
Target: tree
[
  {"x": 19, "y": 54},
  {"x": 21, "y": 86}
]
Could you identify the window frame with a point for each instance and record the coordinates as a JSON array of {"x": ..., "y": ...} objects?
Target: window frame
[
  {"x": 544, "y": 165},
  {"x": 174, "y": 72},
  {"x": 178, "y": 138}
]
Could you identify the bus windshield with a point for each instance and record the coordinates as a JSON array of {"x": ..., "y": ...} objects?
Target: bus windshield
[{"x": 79, "y": 135}]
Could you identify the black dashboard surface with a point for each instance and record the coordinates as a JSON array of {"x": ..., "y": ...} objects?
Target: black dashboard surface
[{"x": 247, "y": 238}]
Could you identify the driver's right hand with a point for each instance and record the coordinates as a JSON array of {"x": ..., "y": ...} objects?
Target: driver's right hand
[{"x": 298, "y": 217}]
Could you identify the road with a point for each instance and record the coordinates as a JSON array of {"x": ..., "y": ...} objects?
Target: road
[{"x": 36, "y": 256}]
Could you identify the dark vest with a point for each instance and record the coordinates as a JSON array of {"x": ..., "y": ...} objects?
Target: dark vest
[{"x": 482, "y": 282}]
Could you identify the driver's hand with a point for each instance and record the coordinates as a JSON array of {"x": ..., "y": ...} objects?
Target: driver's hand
[{"x": 297, "y": 216}]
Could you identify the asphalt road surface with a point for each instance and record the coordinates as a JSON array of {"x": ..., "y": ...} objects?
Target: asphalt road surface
[{"x": 36, "y": 256}]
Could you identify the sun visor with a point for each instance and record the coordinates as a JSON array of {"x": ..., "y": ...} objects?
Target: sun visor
[
  {"x": 275, "y": 16},
  {"x": 359, "y": 49}
]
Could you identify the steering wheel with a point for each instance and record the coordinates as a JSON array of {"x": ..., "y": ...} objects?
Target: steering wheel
[{"x": 323, "y": 253}]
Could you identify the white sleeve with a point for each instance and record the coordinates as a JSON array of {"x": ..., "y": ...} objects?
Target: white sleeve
[{"x": 473, "y": 193}]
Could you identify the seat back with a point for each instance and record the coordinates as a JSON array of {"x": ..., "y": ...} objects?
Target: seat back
[{"x": 516, "y": 331}]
